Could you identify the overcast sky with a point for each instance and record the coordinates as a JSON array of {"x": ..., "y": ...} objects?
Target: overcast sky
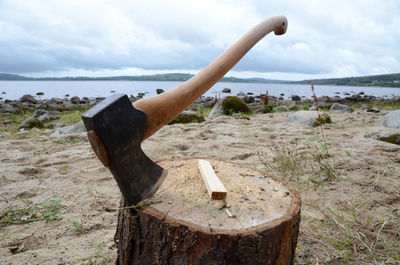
[{"x": 329, "y": 38}]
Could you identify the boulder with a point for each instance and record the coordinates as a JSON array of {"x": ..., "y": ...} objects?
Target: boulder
[
  {"x": 295, "y": 98},
  {"x": 228, "y": 106},
  {"x": 28, "y": 98},
  {"x": 8, "y": 108},
  {"x": 248, "y": 99},
  {"x": 373, "y": 110},
  {"x": 281, "y": 108},
  {"x": 76, "y": 128},
  {"x": 226, "y": 90},
  {"x": 309, "y": 118},
  {"x": 39, "y": 94},
  {"x": 262, "y": 109},
  {"x": 293, "y": 107},
  {"x": 75, "y": 100},
  {"x": 240, "y": 116},
  {"x": 45, "y": 116},
  {"x": 188, "y": 117},
  {"x": 340, "y": 108},
  {"x": 160, "y": 91},
  {"x": 392, "y": 119},
  {"x": 30, "y": 123},
  {"x": 390, "y": 137}
]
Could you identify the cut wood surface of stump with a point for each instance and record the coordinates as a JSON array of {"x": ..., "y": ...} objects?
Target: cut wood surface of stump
[{"x": 258, "y": 223}]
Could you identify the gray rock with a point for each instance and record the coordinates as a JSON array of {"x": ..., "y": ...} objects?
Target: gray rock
[
  {"x": 240, "y": 116},
  {"x": 4, "y": 134},
  {"x": 28, "y": 98},
  {"x": 30, "y": 123},
  {"x": 248, "y": 99},
  {"x": 39, "y": 94},
  {"x": 38, "y": 113},
  {"x": 75, "y": 100},
  {"x": 293, "y": 107},
  {"x": 389, "y": 137},
  {"x": 188, "y": 117},
  {"x": 262, "y": 109},
  {"x": 295, "y": 98},
  {"x": 160, "y": 91},
  {"x": 392, "y": 119},
  {"x": 226, "y": 90},
  {"x": 46, "y": 116},
  {"x": 8, "y": 108},
  {"x": 340, "y": 108},
  {"x": 228, "y": 106},
  {"x": 373, "y": 110},
  {"x": 66, "y": 105},
  {"x": 281, "y": 108},
  {"x": 309, "y": 118},
  {"x": 76, "y": 128}
]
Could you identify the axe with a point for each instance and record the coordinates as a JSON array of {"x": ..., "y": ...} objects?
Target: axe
[{"x": 116, "y": 128}]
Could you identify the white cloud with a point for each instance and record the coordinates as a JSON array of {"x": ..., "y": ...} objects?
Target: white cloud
[{"x": 324, "y": 39}]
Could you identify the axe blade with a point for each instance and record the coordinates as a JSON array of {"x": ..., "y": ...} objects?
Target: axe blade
[{"x": 116, "y": 130}]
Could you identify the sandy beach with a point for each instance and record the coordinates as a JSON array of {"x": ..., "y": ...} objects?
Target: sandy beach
[{"x": 350, "y": 195}]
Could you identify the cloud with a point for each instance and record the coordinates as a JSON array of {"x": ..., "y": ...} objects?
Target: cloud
[{"x": 324, "y": 38}]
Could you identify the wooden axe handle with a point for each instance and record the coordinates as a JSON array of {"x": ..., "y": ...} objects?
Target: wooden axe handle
[{"x": 163, "y": 108}]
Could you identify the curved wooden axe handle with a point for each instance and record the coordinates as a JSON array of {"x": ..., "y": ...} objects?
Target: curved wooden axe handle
[{"x": 163, "y": 108}]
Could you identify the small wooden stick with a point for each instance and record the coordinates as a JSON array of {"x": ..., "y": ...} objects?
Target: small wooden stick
[{"x": 215, "y": 188}]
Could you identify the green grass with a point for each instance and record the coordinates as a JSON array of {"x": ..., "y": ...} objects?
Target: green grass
[{"x": 48, "y": 210}]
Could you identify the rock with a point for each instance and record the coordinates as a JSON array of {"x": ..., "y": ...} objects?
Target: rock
[
  {"x": 76, "y": 128},
  {"x": 228, "y": 106},
  {"x": 188, "y": 117},
  {"x": 281, "y": 108},
  {"x": 66, "y": 105},
  {"x": 30, "y": 123},
  {"x": 226, "y": 90},
  {"x": 373, "y": 110},
  {"x": 240, "y": 116},
  {"x": 84, "y": 100},
  {"x": 75, "y": 100},
  {"x": 340, "y": 108},
  {"x": 4, "y": 134},
  {"x": 309, "y": 118},
  {"x": 8, "y": 108},
  {"x": 160, "y": 91},
  {"x": 389, "y": 137},
  {"x": 45, "y": 116},
  {"x": 293, "y": 107},
  {"x": 262, "y": 109},
  {"x": 248, "y": 99},
  {"x": 295, "y": 98},
  {"x": 241, "y": 94},
  {"x": 392, "y": 119},
  {"x": 361, "y": 93},
  {"x": 39, "y": 94},
  {"x": 28, "y": 98},
  {"x": 66, "y": 95},
  {"x": 346, "y": 93}
]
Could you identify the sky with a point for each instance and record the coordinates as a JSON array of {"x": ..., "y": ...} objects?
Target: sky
[{"x": 325, "y": 38}]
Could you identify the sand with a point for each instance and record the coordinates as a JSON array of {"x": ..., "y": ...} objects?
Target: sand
[{"x": 359, "y": 180}]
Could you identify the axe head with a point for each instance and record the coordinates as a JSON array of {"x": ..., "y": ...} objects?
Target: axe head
[{"x": 115, "y": 130}]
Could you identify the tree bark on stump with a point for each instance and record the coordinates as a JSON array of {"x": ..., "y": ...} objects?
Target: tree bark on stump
[{"x": 258, "y": 223}]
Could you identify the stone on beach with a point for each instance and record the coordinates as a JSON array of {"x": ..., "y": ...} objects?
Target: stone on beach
[
  {"x": 340, "y": 108},
  {"x": 392, "y": 119},
  {"x": 228, "y": 106},
  {"x": 309, "y": 118}
]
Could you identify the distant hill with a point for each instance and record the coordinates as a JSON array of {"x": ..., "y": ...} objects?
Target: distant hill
[
  {"x": 388, "y": 80},
  {"x": 157, "y": 77}
]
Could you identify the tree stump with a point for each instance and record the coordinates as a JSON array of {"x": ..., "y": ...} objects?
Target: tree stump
[{"x": 258, "y": 223}]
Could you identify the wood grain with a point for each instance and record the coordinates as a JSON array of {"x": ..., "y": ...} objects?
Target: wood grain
[{"x": 215, "y": 188}]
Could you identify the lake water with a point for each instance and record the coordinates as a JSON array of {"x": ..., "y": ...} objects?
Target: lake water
[{"x": 16, "y": 89}]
